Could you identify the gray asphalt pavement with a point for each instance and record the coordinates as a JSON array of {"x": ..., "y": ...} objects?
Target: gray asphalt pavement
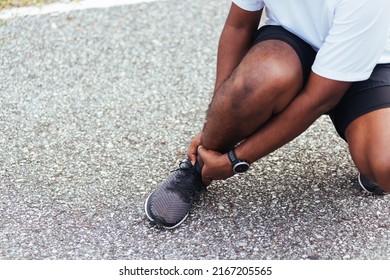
[{"x": 98, "y": 106}]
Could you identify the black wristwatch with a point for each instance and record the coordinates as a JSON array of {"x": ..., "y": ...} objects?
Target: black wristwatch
[{"x": 239, "y": 166}]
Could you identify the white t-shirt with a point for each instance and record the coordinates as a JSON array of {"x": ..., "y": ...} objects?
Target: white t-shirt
[{"x": 351, "y": 36}]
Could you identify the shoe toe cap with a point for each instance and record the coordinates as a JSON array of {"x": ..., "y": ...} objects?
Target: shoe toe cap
[{"x": 167, "y": 208}]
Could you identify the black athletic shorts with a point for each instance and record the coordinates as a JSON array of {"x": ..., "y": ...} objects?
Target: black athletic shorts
[{"x": 361, "y": 98}]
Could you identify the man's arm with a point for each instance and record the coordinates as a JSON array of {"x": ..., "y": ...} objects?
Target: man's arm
[
  {"x": 235, "y": 41},
  {"x": 317, "y": 98}
]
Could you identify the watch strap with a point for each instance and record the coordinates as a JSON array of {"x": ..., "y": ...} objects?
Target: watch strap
[
  {"x": 233, "y": 157},
  {"x": 239, "y": 166}
]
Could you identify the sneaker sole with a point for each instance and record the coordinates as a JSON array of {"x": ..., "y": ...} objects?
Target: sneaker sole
[
  {"x": 153, "y": 220},
  {"x": 378, "y": 192},
  {"x": 362, "y": 186}
]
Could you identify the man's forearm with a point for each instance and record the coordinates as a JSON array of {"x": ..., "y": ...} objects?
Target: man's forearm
[
  {"x": 277, "y": 132},
  {"x": 294, "y": 120}
]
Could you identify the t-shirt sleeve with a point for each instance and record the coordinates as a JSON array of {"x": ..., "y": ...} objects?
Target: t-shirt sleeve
[
  {"x": 249, "y": 5},
  {"x": 356, "y": 40}
]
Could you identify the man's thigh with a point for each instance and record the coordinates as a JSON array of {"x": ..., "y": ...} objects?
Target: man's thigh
[
  {"x": 365, "y": 114},
  {"x": 362, "y": 98},
  {"x": 362, "y": 118}
]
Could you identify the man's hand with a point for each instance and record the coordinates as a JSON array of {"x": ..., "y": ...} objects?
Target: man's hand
[
  {"x": 192, "y": 151},
  {"x": 216, "y": 166}
]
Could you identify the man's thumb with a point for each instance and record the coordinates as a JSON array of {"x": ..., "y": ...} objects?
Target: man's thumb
[{"x": 201, "y": 150}]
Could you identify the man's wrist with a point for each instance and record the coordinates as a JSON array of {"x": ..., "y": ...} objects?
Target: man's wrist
[{"x": 238, "y": 165}]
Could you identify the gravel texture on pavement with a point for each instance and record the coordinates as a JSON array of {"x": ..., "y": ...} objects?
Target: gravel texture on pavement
[{"x": 98, "y": 106}]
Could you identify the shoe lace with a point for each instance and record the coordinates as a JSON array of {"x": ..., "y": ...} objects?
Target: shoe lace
[{"x": 187, "y": 182}]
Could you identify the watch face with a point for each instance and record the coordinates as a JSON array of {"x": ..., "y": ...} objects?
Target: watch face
[{"x": 241, "y": 167}]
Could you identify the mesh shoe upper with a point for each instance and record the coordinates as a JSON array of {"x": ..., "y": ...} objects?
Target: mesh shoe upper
[{"x": 170, "y": 203}]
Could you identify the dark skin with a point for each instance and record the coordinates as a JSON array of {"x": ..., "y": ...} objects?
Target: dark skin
[{"x": 260, "y": 100}]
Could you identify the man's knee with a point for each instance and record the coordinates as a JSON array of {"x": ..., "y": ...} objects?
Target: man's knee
[
  {"x": 270, "y": 87},
  {"x": 368, "y": 140},
  {"x": 374, "y": 165},
  {"x": 380, "y": 168}
]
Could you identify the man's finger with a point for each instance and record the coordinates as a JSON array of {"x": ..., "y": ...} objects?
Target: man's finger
[
  {"x": 192, "y": 158},
  {"x": 202, "y": 151}
]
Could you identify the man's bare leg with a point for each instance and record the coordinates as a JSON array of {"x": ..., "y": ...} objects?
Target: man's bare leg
[{"x": 264, "y": 83}]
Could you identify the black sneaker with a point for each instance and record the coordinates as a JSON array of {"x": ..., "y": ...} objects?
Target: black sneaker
[
  {"x": 169, "y": 205},
  {"x": 369, "y": 186}
]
